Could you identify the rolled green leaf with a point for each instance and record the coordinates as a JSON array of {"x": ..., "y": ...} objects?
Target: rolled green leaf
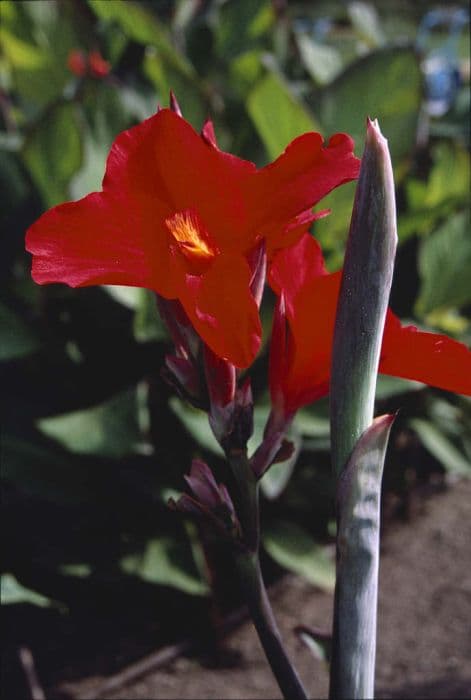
[
  {"x": 358, "y": 503},
  {"x": 358, "y": 446},
  {"x": 363, "y": 299}
]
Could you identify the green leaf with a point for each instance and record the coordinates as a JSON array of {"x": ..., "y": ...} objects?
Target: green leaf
[
  {"x": 445, "y": 190},
  {"x": 276, "y": 478},
  {"x": 449, "y": 178},
  {"x": 44, "y": 472},
  {"x": 444, "y": 266},
  {"x": 240, "y": 26},
  {"x": 387, "y": 387},
  {"x": 166, "y": 561},
  {"x": 110, "y": 429},
  {"x": 140, "y": 25},
  {"x": 356, "y": 592},
  {"x": 53, "y": 153},
  {"x": 147, "y": 323},
  {"x": 294, "y": 549},
  {"x": 165, "y": 66},
  {"x": 322, "y": 62},
  {"x": 36, "y": 39},
  {"x": 365, "y": 19},
  {"x": 277, "y": 115},
  {"x": 440, "y": 447},
  {"x": 386, "y": 85},
  {"x": 16, "y": 338},
  {"x": 12, "y": 591},
  {"x": 165, "y": 77}
]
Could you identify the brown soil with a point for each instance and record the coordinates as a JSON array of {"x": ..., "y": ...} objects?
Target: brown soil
[{"x": 424, "y": 639}]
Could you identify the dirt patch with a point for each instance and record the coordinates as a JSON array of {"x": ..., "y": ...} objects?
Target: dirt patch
[{"x": 424, "y": 640}]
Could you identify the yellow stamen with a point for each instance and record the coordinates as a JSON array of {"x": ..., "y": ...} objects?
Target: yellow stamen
[{"x": 190, "y": 234}]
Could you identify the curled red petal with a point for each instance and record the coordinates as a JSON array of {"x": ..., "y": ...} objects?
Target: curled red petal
[{"x": 297, "y": 180}]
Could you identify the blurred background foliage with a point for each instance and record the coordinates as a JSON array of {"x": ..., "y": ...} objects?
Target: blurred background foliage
[{"x": 93, "y": 442}]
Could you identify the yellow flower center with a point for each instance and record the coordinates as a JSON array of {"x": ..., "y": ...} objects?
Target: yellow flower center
[{"x": 191, "y": 236}]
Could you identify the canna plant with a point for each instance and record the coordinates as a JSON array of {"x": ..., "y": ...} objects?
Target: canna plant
[{"x": 206, "y": 231}]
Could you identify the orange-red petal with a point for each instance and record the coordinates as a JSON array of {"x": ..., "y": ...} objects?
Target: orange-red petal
[
  {"x": 225, "y": 313},
  {"x": 96, "y": 241},
  {"x": 305, "y": 173},
  {"x": 310, "y": 296},
  {"x": 431, "y": 358}
]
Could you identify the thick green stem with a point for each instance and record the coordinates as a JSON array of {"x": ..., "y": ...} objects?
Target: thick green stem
[
  {"x": 357, "y": 453},
  {"x": 248, "y": 567}
]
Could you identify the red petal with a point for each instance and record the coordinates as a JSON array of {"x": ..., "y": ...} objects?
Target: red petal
[
  {"x": 226, "y": 314},
  {"x": 165, "y": 158},
  {"x": 278, "y": 365},
  {"x": 76, "y": 62},
  {"x": 295, "y": 267},
  {"x": 426, "y": 357},
  {"x": 97, "y": 240},
  {"x": 312, "y": 328},
  {"x": 301, "y": 177}
]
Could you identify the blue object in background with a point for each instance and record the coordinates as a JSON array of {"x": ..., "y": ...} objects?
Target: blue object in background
[{"x": 441, "y": 64}]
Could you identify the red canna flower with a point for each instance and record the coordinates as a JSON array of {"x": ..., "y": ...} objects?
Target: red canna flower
[
  {"x": 303, "y": 333},
  {"x": 77, "y": 63},
  {"x": 181, "y": 217},
  {"x": 97, "y": 66},
  {"x": 94, "y": 64}
]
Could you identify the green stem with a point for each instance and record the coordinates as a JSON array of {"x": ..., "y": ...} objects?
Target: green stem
[{"x": 248, "y": 567}]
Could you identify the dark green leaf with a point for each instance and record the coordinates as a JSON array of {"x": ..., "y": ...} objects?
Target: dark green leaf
[
  {"x": 53, "y": 153},
  {"x": 16, "y": 338}
]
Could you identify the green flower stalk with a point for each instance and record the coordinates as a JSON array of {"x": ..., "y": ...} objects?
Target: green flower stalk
[{"x": 358, "y": 444}]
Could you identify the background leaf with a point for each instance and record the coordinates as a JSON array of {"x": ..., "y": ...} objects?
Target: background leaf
[{"x": 295, "y": 549}]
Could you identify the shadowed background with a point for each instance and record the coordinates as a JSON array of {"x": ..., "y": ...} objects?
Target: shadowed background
[{"x": 93, "y": 443}]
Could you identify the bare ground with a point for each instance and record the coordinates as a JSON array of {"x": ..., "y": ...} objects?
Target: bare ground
[{"x": 424, "y": 634}]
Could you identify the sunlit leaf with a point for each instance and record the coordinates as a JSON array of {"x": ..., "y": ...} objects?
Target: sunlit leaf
[
  {"x": 445, "y": 265},
  {"x": 441, "y": 447},
  {"x": 294, "y": 549},
  {"x": 385, "y": 84},
  {"x": 12, "y": 591},
  {"x": 166, "y": 561},
  {"x": 276, "y": 478},
  {"x": 322, "y": 62},
  {"x": 110, "y": 429},
  {"x": 277, "y": 115},
  {"x": 366, "y": 22}
]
